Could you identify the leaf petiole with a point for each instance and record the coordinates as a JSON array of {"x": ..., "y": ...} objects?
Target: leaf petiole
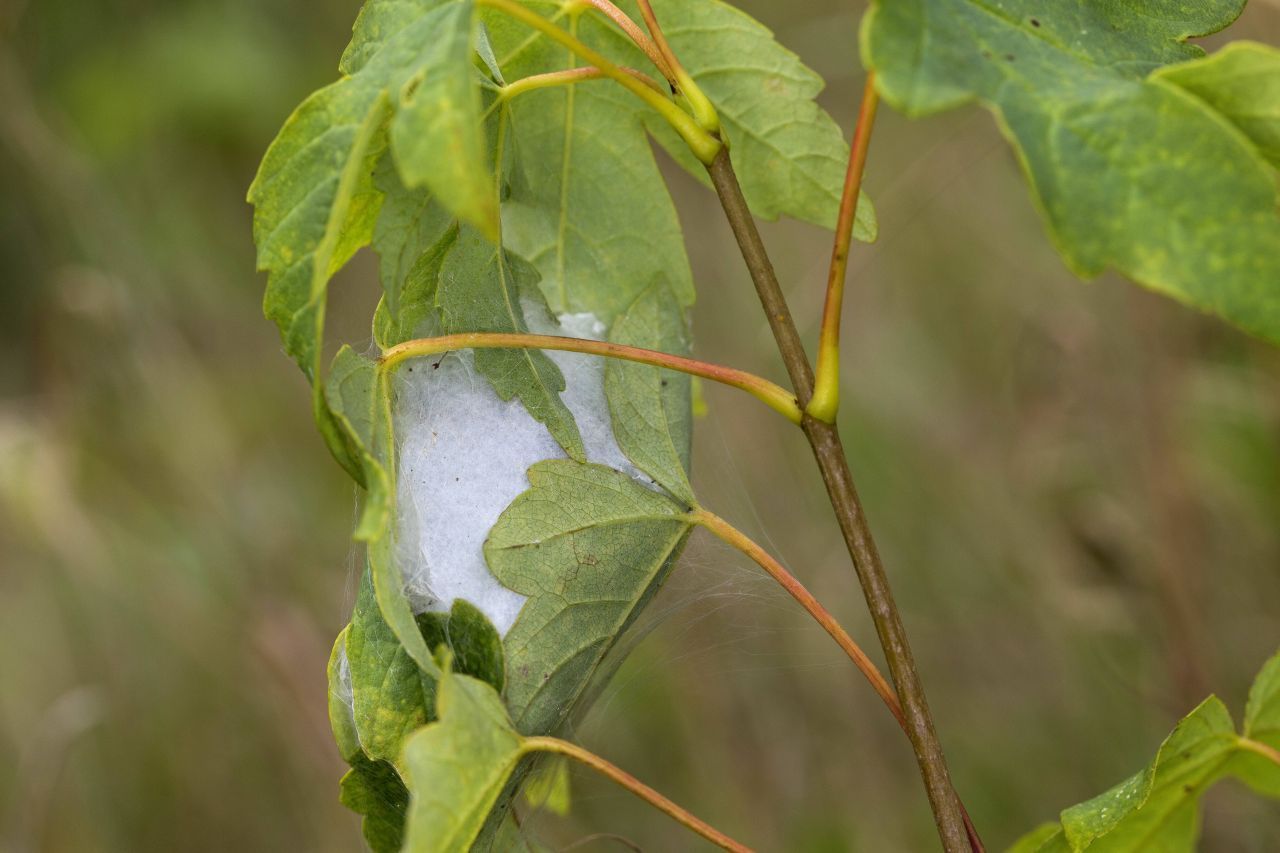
[
  {"x": 1259, "y": 748},
  {"x": 704, "y": 144},
  {"x": 826, "y": 388},
  {"x": 740, "y": 541},
  {"x": 568, "y": 77},
  {"x": 635, "y": 786},
  {"x": 704, "y": 112},
  {"x": 633, "y": 32},
  {"x": 774, "y": 396}
]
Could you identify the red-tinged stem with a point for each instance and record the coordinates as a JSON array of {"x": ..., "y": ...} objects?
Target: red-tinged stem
[
  {"x": 702, "y": 142},
  {"x": 659, "y": 37},
  {"x": 633, "y": 32},
  {"x": 703, "y": 110},
  {"x": 635, "y": 786},
  {"x": 774, "y": 396},
  {"x": 826, "y": 389},
  {"x": 739, "y": 540}
]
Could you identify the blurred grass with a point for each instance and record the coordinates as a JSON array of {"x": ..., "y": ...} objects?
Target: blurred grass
[{"x": 1076, "y": 487}]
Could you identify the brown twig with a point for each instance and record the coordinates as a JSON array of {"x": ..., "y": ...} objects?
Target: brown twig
[
  {"x": 824, "y": 438},
  {"x": 632, "y": 30}
]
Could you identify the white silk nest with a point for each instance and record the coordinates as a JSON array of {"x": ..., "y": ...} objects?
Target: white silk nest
[{"x": 462, "y": 456}]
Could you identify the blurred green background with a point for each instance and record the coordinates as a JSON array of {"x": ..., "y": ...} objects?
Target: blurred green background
[{"x": 1076, "y": 487}]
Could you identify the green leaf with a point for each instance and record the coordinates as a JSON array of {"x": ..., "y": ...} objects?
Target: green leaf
[
  {"x": 1242, "y": 83},
  {"x": 357, "y": 394},
  {"x": 482, "y": 289},
  {"x": 314, "y": 197},
  {"x": 373, "y": 789},
  {"x": 484, "y": 50},
  {"x": 391, "y": 696},
  {"x": 458, "y": 767},
  {"x": 587, "y": 204},
  {"x": 341, "y": 715},
  {"x": 314, "y": 205},
  {"x": 1262, "y": 724},
  {"x": 411, "y": 226},
  {"x": 437, "y": 135},
  {"x": 388, "y": 587},
  {"x": 589, "y": 546},
  {"x": 475, "y": 644},
  {"x": 1262, "y": 714},
  {"x": 651, "y": 408},
  {"x": 549, "y": 788},
  {"x": 1044, "y": 838},
  {"x": 377, "y": 23},
  {"x": 1131, "y": 171},
  {"x": 789, "y": 154},
  {"x": 315, "y": 202},
  {"x": 1158, "y": 809},
  {"x": 352, "y": 399},
  {"x": 388, "y": 695},
  {"x": 417, "y": 316}
]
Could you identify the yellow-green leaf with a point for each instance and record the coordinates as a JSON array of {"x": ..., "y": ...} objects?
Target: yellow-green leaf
[
  {"x": 456, "y": 768},
  {"x": 1242, "y": 83},
  {"x": 549, "y": 787},
  {"x": 437, "y": 135}
]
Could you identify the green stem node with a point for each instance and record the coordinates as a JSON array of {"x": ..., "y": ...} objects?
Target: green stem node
[{"x": 705, "y": 146}]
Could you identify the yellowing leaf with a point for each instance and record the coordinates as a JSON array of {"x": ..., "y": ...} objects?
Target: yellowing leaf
[
  {"x": 437, "y": 135},
  {"x": 548, "y": 787},
  {"x": 457, "y": 768}
]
